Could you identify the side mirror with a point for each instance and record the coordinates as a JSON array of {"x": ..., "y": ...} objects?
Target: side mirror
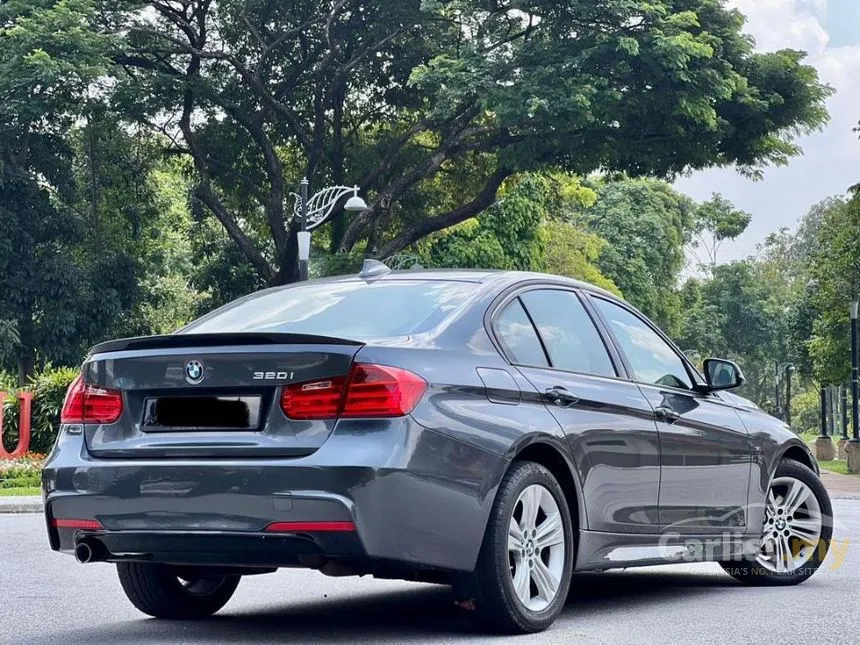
[{"x": 722, "y": 374}]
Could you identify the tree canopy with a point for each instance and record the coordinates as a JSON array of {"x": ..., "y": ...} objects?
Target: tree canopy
[{"x": 393, "y": 96}]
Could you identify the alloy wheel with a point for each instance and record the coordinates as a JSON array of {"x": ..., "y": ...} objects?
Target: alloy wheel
[
  {"x": 792, "y": 527},
  {"x": 536, "y": 548}
]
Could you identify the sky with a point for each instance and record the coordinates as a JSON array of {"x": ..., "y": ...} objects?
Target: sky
[{"x": 829, "y": 30}]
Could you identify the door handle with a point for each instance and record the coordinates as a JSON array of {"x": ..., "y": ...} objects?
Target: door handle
[
  {"x": 666, "y": 414},
  {"x": 560, "y": 396}
]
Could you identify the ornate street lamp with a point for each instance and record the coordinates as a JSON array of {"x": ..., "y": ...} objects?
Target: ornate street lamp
[
  {"x": 855, "y": 414},
  {"x": 316, "y": 211}
]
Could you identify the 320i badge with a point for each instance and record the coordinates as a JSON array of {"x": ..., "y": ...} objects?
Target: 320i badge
[{"x": 492, "y": 431}]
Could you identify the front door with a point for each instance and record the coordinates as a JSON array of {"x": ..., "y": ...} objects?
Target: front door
[
  {"x": 705, "y": 449},
  {"x": 609, "y": 425}
]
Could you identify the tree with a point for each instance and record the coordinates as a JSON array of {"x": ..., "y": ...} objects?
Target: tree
[
  {"x": 393, "y": 96},
  {"x": 645, "y": 223},
  {"x": 714, "y": 222},
  {"x": 506, "y": 236},
  {"x": 733, "y": 314},
  {"x": 835, "y": 269},
  {"x": 52, "y": 57}
]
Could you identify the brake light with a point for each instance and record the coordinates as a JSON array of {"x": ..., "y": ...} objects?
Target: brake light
[
  {"x": 370, "y": 391},
  {"x": 86, "y": 403}
]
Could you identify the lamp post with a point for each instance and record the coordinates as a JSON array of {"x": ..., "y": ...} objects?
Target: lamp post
[
  {"x": 855, "y": 412},
  {"x": 852, "y": 446},
  {"x": 316, "y": 211},
  {"x": 784, "y": 369}
]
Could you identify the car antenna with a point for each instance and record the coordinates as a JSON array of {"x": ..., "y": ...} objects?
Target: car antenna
[{"x": 373, "y": 269}]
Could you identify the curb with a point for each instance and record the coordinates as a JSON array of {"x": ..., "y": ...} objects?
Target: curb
[{"x": 18, "y": 505}]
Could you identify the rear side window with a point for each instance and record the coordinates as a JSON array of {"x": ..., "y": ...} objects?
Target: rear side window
[
  {"x": 518, "y": 337},
  {"x": 353, "y": 309},
  {"x": 567, "y": 331}
]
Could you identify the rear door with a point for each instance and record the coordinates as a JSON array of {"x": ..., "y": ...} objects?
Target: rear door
[
  {"x": 705, "y": 449},
  {"x": 211, "y": 395},
  {"x": 548, "y": 334}
]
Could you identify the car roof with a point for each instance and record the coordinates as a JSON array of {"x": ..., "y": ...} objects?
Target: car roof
[{"x": 497, "y": 278}]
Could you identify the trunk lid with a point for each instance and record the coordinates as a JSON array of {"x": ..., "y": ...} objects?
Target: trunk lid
[{"x": 211, "y": 395}]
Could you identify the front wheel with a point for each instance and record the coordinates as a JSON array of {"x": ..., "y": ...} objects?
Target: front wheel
[
  {"x": 797, "y": 530},
  {"x": 157, "y": 590},
  {"x": 524, "y": 568}
]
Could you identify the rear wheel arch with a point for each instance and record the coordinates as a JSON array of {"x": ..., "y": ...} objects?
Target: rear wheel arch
[{"x": 559, "y": 465}]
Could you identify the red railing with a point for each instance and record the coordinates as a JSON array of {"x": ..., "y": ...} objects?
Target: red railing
[{"x": 23, "y": 447}]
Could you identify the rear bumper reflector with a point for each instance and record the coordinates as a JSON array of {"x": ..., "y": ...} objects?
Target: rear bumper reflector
[
  {"x": 89, "y": 525},
  {"x": 310, "y": 527}
]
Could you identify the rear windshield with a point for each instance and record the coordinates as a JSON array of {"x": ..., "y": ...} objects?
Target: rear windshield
[{"x": 352, "y": 310}]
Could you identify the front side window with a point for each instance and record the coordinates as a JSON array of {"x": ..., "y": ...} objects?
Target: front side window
[
  {"x": 652, "y": 359},
  {"x": 567, "y": 331}
]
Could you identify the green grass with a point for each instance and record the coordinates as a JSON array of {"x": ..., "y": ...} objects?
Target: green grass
[
  {"x": 837, "y": 466},
  {"x": 20, "y": 492}
]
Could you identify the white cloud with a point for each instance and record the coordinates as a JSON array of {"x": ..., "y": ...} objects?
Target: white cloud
[{"x": 831, "y": 160}]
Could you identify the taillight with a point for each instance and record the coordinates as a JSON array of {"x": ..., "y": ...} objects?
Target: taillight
[
  {"x": 86, "y": 403},
  {"x": 370, "y": 391},
  {"x": 381, "y": 391},
  {"x": 314, "y": 400}
]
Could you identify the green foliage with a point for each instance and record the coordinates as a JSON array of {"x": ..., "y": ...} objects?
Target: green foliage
[
  {"x": 645, "y": 223},
  {"x": 806, "y": 411},
  {"x": 714, "y": 222},
  {"x": 427, "y": 105},
  {"x": 506, "y": 236},
  {"x": 49, "y": 389},
  {"x": 835, "y": 269},
  {"x": 734, "y": 298},
  {"x": 574, "y": 253},
  {"x": 25, "y": 472}
]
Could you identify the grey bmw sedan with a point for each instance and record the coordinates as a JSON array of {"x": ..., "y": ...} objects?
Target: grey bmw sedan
[{"x": 491, "y": 431}]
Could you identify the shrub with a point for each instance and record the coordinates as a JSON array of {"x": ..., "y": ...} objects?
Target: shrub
[
  {"x": 25, "y": 472},
  {"x": 49, "y": 389}
]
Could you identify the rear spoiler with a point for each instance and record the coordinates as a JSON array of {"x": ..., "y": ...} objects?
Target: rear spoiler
[{"x": 217, "y": 340}]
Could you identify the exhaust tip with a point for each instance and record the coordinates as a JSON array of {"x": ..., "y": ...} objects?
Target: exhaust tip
[
  {"x": 83, "y": 553},
  {"x": 91, "y": 550}
]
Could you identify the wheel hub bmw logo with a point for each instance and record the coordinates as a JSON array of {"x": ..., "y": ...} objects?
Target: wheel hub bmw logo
[{"x": 194, "y": 372}]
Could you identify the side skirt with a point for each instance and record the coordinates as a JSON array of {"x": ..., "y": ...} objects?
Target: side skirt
[{"x": 600, "y": 551}]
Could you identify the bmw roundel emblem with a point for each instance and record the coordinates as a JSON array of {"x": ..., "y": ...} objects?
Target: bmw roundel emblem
[{"x": 194, "y": 372}]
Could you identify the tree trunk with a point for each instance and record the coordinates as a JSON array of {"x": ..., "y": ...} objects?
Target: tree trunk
[{"x": 338, "y": 223}]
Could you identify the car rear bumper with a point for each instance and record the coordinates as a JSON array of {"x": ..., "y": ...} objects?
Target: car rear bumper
[{"x": 411, "y": 495}]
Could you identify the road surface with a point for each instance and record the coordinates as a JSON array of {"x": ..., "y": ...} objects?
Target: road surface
[{"x": 49, "y": 598}]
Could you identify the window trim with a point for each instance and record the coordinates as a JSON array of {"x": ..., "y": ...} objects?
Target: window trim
[
  {"x": 615, "y": 358},
  {"x": 692, "y": 374},
  {"x": 502, "y": 345}
]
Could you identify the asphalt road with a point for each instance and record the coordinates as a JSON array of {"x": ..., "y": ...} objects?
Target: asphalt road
[{"x": 49, "y": 598}]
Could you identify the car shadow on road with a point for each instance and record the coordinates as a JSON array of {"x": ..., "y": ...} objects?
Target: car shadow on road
[{"x": 419, "y": 614}]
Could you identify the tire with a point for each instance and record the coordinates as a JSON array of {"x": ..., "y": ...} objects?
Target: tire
[
  {"x": 498, "y": 606},
  {"x": 803, "y": 557},
  {"x": 156, "y": 590}
]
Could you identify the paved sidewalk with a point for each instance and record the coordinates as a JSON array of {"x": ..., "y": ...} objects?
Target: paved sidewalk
[
  {"x": 20, "y": 504},
  {"x": 841, "y": 486}
]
